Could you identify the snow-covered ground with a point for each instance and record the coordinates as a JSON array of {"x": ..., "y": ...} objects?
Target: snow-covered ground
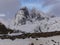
[
  {"x": 15, "y": 42},
  {"x": 41, "y": 41}
]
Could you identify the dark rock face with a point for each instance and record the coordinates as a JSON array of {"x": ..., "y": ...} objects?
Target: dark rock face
[
  {"x": 36, "y": 14},
  {"x": 32, "y": 43},
  {"x": 22, "y": 21},
  {"x": 26, "y": 12},
  {"x": 4, "y": 30}
]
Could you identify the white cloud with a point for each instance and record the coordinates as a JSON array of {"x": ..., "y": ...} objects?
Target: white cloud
[
  {"x": 10, "y": 6},
  {"x": 2, "y": 15},
  {"x": 5, "y": 22},
  {"x": 55, "y": 9},
  {"x": 50, "y": 2}
]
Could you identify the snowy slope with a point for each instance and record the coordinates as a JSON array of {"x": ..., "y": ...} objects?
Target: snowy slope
[{"x": 53, "y": 24}]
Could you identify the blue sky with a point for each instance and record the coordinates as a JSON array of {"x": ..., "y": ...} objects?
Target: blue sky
[
  {"x": 36, "y": 4},
  {"x": 47, "y": 6},
  {"x": 8, "y": 8}
]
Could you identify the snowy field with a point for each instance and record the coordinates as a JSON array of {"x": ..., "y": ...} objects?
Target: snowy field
[
  {"x": 55, "y": 40},
  {"x": 15, "y": 42}
]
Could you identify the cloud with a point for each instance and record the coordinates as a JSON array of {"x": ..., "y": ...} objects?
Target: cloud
[
  {"x": 9, "y": 7},
  {"x": 2, "y": 15},
  {"x": 3, "y": 21},
  {"x": 50, "y": 2},
  {"x": 55, "y": 6},
  {"x": 55, "y": 10},
  {"x": 44, "y": 5},
  {"x": 8, "y": 4}
]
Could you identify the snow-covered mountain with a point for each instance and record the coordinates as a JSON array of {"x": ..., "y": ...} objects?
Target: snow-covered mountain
[{"x": 34, "y": 21}]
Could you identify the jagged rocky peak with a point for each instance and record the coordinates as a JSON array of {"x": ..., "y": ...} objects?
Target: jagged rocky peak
[
  {"x": 21, "y": 15},
  {"x": 37, "y": 14},
  {"x": 25, "y": 11},
  {"x": 24, "y": 15}
]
